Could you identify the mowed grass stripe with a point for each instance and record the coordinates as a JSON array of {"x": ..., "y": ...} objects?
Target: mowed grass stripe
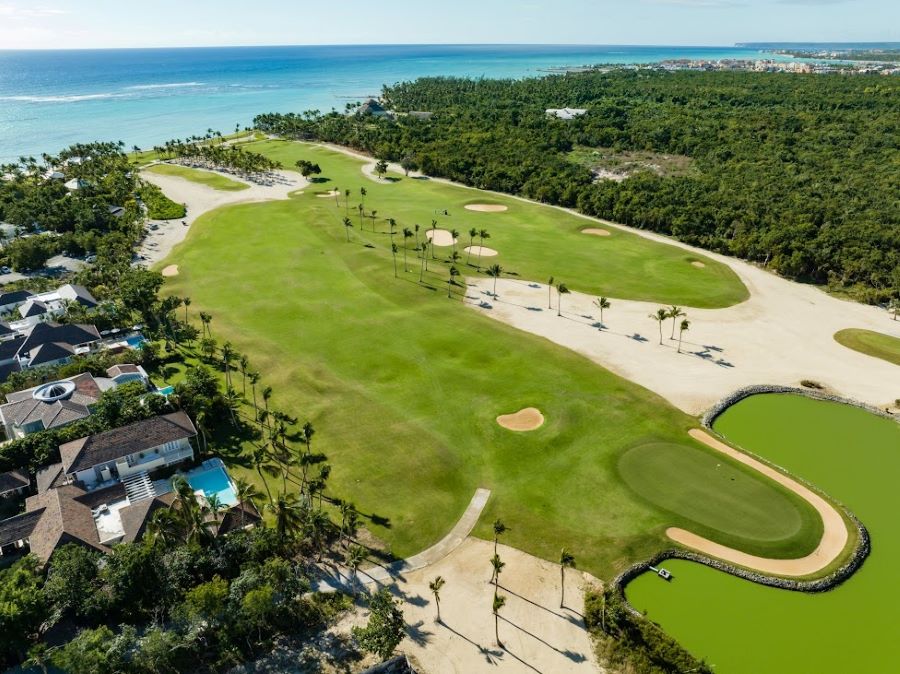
[
  {"x": 213, "y": 180},
  {"x": 875, "y": 344}
]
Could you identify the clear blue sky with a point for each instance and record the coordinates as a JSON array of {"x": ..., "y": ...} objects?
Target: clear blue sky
[{"x": 47, "y": 24}]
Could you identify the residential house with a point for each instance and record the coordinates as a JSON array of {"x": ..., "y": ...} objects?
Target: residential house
[
  {"x": 129, "y": 451},
  {"x": 41, "y": 307},
  {"x": 46, "y": 344},
  {"x": 13, "y": 483},
  {"x": 373, "y": 108},
  {"x": 59, "y": 403},
  {"x": 13, "y": 300}
]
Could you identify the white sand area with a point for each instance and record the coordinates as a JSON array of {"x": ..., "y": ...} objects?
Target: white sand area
[
  {"x": 171, "y": 270},
  {"x": 596, "y": 231},
  {"x": 201, "y": 199},
  {"x": 527, "y": 419},
  {"x": 487, "y": 208},
  {"x": 483, "y": 251},
  {"x": 440, "y": 237},
  {"x": 781, "y": 335}
]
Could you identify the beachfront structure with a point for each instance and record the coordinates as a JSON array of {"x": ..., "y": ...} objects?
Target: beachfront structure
[
  {"x": 59, "y": 403},
  {"x": 373, "y": 108},
  {"x": 113, "y": 513},
  {"x": 566, "y": 113},
  {"x": 46, "y": 344},
  {"x": 14, "y": 483},
  {"x": 132, "y": 450}
]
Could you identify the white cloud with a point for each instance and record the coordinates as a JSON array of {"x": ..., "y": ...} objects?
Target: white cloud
[{"x": 11, "y": 11}]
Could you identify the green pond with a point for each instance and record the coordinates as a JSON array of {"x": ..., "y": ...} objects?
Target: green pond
[{"x": 739, "y": 626}]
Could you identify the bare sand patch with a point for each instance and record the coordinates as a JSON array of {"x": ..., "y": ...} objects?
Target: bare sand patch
[
  {"x": 171, "y": 270},
  {"x": 440, "y": 237},
  {"x": 596, "y": 231},
  {"x": 329, "y": 195},
  {"x": 834, "y": 534},
  {"x": 698, "y": 264},
  {"x": 486, "y": 208},
  {"x": 482, "y": 251},
  {"x": 527, "y": 419}
]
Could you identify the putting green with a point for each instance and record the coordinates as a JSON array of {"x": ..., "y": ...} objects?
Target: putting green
[
  {"x": 739, "y": 503},
  {"x": 213, "y": 180},
  {"x": 404, "y": 385},
  {"x": 743, "y": 627},
  {"x": 875, "y": 344}
]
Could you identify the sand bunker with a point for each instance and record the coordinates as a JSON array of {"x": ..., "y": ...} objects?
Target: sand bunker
[
  {"x": 487, "y": 208},
  {"x": 527, "y": 419},
  {"x": 329, "y": 195},
  {"x": 171, "y": 270},
  {"x": 698, "y": 264},
  {"x": 595, "y": 231},
  {"x": 834, "y": 535},
  {"x": 481, "y": 250},
  {"x": 440, "y": 237}
]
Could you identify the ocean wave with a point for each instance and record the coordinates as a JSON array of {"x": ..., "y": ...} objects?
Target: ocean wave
[
  {"x": 60, "y": 98},
  {"x": 169, "y": 85}
]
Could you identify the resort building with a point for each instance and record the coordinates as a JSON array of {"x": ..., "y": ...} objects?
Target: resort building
[
  {"x": 127, "y": 454},
  {"x": 373, "y": 108},
  {"x": 42, "y": 307},
  {"x": 566, "y": 113},
  {"x": 13, "y": 483},
  {"x": 62, "y": 402}
]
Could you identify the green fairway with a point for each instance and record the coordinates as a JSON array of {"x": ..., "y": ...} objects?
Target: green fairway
[
  {"x": 870, "y": 343},
  {"x": 742, "y": 627},
  {"x": 695, "y": 486},
  {"x": 213, "y": 180},
  {"x": 403, "y": 384},
  {"x": 533, "y": 241}
]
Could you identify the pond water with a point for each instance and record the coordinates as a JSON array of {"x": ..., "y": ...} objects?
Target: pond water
[{"x": 742, "y": 627}]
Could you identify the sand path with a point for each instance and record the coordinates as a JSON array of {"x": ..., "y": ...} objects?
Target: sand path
[
  {"x": 834, "y": 536},
  {"x": 538, "y": 635},
  {"x": 201, "y": 199},
  {"x": 781, "y": 335}
]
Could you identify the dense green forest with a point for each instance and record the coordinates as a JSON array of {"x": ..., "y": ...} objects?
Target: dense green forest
[{"x": 799, "y": 173}]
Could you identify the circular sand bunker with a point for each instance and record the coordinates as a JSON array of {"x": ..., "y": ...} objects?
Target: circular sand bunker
[
  {"x": 440, "y": 237},
  {"x": 698, "y": 264},
  {"x": 527, "y": 419},
  {"x": 487, "y": 208},
  {"x": 482, "y": 251},
  {"x": 328, "y": 195},
  {"x": 171, "y": 270},
  {"x": 595, "y": 231}
]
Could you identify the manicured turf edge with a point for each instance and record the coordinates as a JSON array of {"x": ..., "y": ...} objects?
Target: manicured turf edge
[{"x": 871, "y": 343}]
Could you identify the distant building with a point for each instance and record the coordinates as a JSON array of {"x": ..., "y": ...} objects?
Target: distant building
[
  {"x": 45, "y": 306},
  {"x": 373, "y": 108},
  {"x": 566, "y": 113},
  {"x": 46, "y": 344}
]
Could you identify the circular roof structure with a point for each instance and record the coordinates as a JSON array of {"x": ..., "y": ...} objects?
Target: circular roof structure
[{"x": 55, "y": 390}]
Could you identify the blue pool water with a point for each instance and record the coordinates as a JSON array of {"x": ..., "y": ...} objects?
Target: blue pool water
[
  {"x": 135, "y": 342},
  {"x": 166, "y": 390},
  {"x": 214, "y": 481}
]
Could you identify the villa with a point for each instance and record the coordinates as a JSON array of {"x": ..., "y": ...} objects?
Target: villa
[
  {"x": 35, "y": 308},
  {"x": 13, "y": 483},
  {"x": 59, "y": 403},
  {"x": 373, "y": 108},
  {"x": 46, "y": 344}
]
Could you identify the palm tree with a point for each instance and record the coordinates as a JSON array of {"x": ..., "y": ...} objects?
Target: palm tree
[
  {"x": 472, "y": 234},
  {"x": 254, "y": 380},
  {"x": 347, "y": 227},
  {"x": 349, "y": 521},
  {"x": 684, "y": 327},
  {"x": 499, "y": 603},
  {"x": 566, "y": 561},
  {"x": 394, "y": 250},
  {"x": 245, "y": 492},
  {"x": 417, "y": 236},
  {"x": 561, "y": 289},
  {"x": 660, "y": 316},
  {"x": 244, "y": 364},
  {"x": 435, "y": 587},
  {"x": 228, "y": 354},
  {"x": 433, "y": 227},
  {"x": 347, "y": 202},
  {"x": 894, "y": 308},
  {"x": 186, "y": 302},
  {"x": 550, "y": 292},
  {"x": 454, "y": 234},
  {"x": 359, "y": 207},
  {"x": 675, "y": 313},
  {"x": 206, "y": 319},
  {"x": 407, "y": 234},
  {"x": 497, "y": 564},
  {"x": 362, "y": 196},
  {"x": 288, "y": 516},
  {"x": 260, "y": 458},
  {"x": 424, "y": 261},
  {"x": 499, "y": 529},
  {"x": 355, "y": 558},
  {"x": 392, "y": 224},
  {"x": 454, "y": 272},
  {"x": 337, "y": 198},
  {"x": 601, "y": 303},
  {"x": 482, "y": 235},
  {"x": 495, "y": 270}
]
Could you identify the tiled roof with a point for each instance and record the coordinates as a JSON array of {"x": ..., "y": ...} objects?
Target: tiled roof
[
  {"x": 122, "y": 368},
  {"x": 115, "y": 444},
  {"x": 50, "y": 352},
  {"x": 64, "y": 520},
  {"x": 19, "y": 527},
  {"x": 13, "y": 480},
  {"x": 14, "y": 297},
  {"x": 49, "y": 477},
  {"x": 135, "y": 517}
]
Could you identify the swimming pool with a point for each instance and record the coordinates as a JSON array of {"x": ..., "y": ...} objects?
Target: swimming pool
[
  {"x": 166, "y": 390},
  {"x": 211, "y": 481},
  {"x": 135, "y": 342}
]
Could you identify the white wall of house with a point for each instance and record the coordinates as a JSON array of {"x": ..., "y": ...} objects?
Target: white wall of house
[{"x": 146, "y": 461}]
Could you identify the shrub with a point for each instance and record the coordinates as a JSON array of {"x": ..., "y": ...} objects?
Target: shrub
[{"x": 159, "y": 206}]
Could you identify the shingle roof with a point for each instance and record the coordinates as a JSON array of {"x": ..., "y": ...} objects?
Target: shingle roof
[
  {"x": 136, "y": 516},
  {"x": 5, "y": 329},
  {"x": 14, "y": 297},
  {"x": 77, "y": 293},
  {"x": 87, "y": 452},
  {"x": 49, "y": 477},
  {"x": 122, "y": 368},
  {"x": 64, "y": 520},
  {"x": 50, "y": 352},
  {"x": 13, "y": 480},
  {"x": 70, "y": 333},
  {"x": 32, "y": 308},
  {"x": 19, "y": 527}
]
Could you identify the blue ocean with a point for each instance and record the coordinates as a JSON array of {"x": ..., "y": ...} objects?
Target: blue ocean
[{"x": 50, "y": 99}]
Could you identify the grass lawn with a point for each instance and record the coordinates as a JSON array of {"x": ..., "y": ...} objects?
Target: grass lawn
[
  {"x": 403, "y": 384},
  {"x": 534, "y": 242},
  {"x": 870, "y": 343},
  {"x": 746, "y": 628},
  {"x": 213, "y": 180}
]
